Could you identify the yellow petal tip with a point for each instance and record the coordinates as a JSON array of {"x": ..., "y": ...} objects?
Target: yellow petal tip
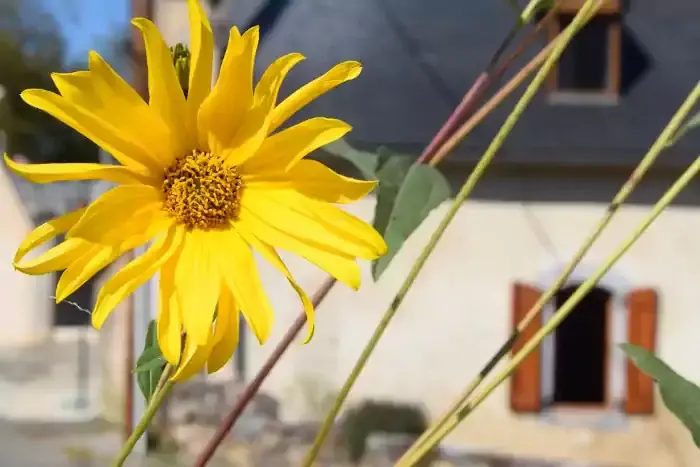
[
  {"x": 354, "y": 69},
  {"x": 251, "y": 30},
  {"x": 97, "y": 324},
  {"x": 139, "y": 23},
  {"x": 309, "y": 335},
  {"x": 28, "y": 94},
  {"x": 93, "y": 57}
]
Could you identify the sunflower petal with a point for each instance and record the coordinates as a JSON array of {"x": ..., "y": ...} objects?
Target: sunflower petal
[
  {"x": 202, "y": 46},
  {"x": 94, "y": 128},
  {"x": 49, "y": 173},
  {"x": 78, "y": 87},
  {"x": 315, "y": 180},
  {"x": 169, "y": 320},
  {"x": 197, "y": 281},
  {"x": 336, "y": 263},
  {"x": 254, "y": 129},
  {"x": 164, "y": 90},
  {"x": 226, "y": 331},
  {"x": 135, "y": 274},
  {"x": 122, "y": 212},
  {"x": 54, "y": 259},
  {"x": 47, "y": 231},
  {"x": 273, "y": 258},
  {"x": 282, "y": 150},
  {"x": 79, "y": 271},
  {"x": 194, "y": 358},
  {"x": 315, "y": 221},
  {"x": 104, "y": 94},
  {"x": 241, "y": 276},
  {"x": 132, "y": 113},
  {"x": 223, "y": 111},
  {"x": 337, "y": 75}
]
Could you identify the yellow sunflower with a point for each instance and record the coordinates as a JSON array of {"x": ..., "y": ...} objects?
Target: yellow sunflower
[{"x": 206, "y": 178}]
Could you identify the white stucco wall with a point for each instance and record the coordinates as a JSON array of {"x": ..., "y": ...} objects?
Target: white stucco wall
[
  {"x": 27, "y": 313},
  {"x": 458, "y": 313},
  {"x": 172, "y": 20}
]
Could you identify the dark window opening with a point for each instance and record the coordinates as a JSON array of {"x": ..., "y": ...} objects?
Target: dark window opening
[
  {"x": 581, "y": 350},
  {"x": 584, "y": 64},
  {"x": 591, "y": 63},
  {"x": 67, "y": 313}
]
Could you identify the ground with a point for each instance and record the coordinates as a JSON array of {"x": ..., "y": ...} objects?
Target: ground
[{"x": 49, "y": 418}]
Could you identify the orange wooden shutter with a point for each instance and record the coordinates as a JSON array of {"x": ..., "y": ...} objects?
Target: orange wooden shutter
[
  {"x": 642, "y": 305},
  {"x": 525, "y": 382}
]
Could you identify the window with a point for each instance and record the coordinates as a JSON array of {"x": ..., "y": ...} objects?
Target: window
[
  {"x": 66, "y": 313},
  {"x": 590, "y": 66},
  {"x": 583, "y": 342},
  {"x": 581, "y": 351}
]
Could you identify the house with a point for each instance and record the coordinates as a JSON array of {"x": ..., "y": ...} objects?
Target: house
[
  {"x": 30, "y": 316},
  {"x": 615, "y": 89},
  {"x": 576, "y": 399},
  {"x": 48, "y": 352}
]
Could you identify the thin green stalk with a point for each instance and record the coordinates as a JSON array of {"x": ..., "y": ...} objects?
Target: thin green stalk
[
  {"x": 464, "y": 192},
  {"x": 165, "y": 384},
  {"x": 427, "y": 438},
  {"x": 568, "y": 306}
]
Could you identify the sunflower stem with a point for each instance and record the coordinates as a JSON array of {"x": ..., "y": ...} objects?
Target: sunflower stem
[
  {"x": 165, "y": 384},
  {"x": 431, "y": 436},
  {"x": 463, "y": 194}
]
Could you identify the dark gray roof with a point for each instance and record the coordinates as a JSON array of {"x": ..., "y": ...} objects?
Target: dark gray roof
[{"x": 420, "y": 57}]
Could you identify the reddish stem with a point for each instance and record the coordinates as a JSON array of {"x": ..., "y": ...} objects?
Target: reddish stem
[{"x": 464, "y": 107}]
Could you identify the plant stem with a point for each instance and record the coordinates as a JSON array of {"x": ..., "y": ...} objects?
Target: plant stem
[
  {"x": 464, "y": 192},
  {"x": 165, "y": 384},
  {"x": 429, "y": 438},
  {"x": 568, "y": 306},
  {"x": 480, "y": 86}
]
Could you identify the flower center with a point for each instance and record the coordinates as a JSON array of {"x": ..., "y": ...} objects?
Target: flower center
[{"x": 201, "y": 192}]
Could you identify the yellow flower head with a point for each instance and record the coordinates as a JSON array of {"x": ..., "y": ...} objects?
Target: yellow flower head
[{"x": 206, "y": 178}]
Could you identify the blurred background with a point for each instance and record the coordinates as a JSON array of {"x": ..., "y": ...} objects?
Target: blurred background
[{"x": 68, "y": 395}]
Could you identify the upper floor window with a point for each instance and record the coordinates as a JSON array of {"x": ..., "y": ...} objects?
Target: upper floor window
[{"x": 589, "y": 69}]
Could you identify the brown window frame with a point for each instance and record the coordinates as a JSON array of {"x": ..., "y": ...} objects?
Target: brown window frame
[{"x": 610, "y": 9}]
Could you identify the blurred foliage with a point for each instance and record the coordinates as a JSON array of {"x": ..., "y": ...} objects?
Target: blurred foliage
[
  {"x": 680, "y": 396},
  {"x": 373, "y": 417},
  {"x": 31, "y": 47}
]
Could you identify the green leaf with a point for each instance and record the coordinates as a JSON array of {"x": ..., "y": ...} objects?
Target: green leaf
[
  {"x": 679, "y": 395},
  {"x": 391, "y": 176},
  {"x": 150, "y": 364},
  {"x": 401, "y": 211},
  {"x": 150, "y": 358},
  {"x": 365, "y": 162}
]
